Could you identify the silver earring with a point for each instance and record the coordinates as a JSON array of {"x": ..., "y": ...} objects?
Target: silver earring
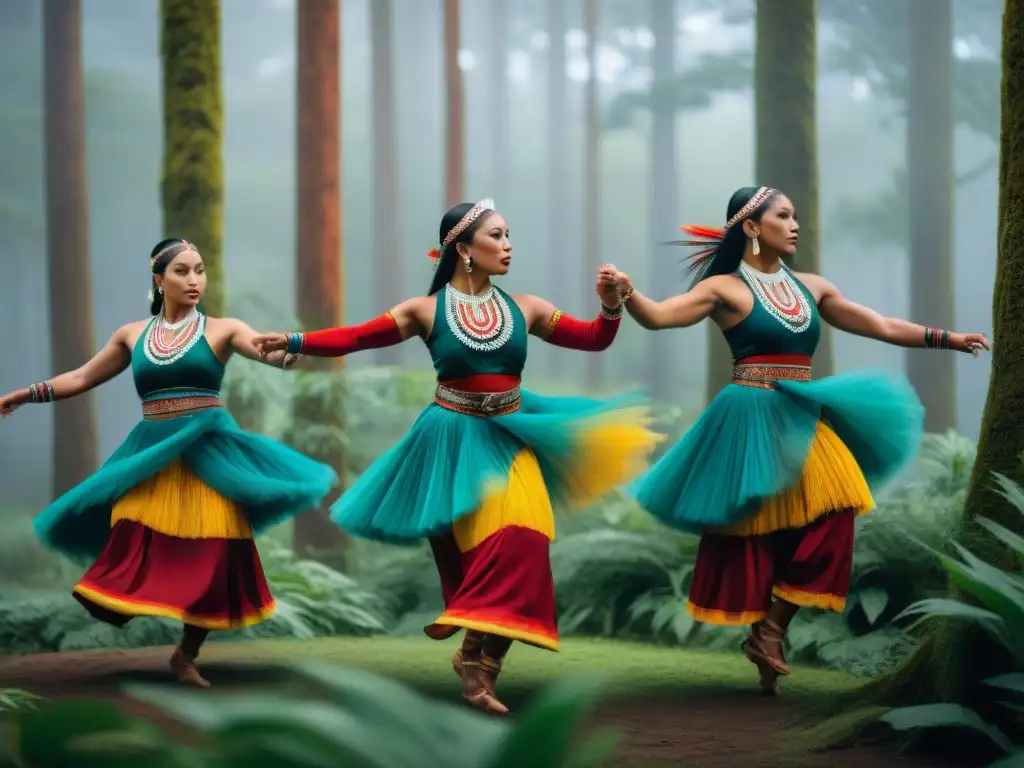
[
  {"x": 468, "y": 264},
  {"x": 160, "y": 290},
  {"x": 755, "y": 247}
]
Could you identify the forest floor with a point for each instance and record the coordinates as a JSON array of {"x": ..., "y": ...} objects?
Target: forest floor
[{"x": 675, "y": 708}]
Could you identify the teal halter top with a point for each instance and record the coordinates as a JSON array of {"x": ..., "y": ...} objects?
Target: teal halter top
[
  {"x": 762, "y": 333},
  {"x": 495, "y": 343},
  {"x": 192, "y": 370}
]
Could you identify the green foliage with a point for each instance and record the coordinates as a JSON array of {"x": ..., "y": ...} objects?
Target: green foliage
[
  {"x": 997, "y": 608},
  {"x": 360, "y": 719},
  {"x": 312, "y": 601},
  {"x": 629, "y": 576}
]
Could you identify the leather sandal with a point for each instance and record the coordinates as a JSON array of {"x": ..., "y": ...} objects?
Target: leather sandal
[
  {"x": 764, "y": 647},
  {"x": 184, "y": 668}
]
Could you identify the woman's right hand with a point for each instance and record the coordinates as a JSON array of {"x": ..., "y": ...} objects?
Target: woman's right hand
[{"x": 271, "y": 342}]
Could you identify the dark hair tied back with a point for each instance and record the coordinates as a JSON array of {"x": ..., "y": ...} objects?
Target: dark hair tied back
[
  {"x": 449, "y": 257},
  {"x": 724, "y": 257},
  {"x": 163, "y": 253}
]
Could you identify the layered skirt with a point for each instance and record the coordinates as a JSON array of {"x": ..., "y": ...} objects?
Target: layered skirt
[
  {"x": 169, "y": 521},
  {"x": 773, "y": 475},
  {"x": 482, "y": 485}
]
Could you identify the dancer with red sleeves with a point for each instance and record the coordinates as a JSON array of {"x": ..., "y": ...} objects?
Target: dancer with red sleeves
[{"x": 481, "y": 468}]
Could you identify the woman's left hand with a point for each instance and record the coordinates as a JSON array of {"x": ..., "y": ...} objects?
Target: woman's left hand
[{"x": 972, "y": 343}]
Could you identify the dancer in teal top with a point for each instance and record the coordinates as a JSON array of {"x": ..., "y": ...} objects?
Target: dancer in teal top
[
  {"x": 777, "y": 467},
  {"x": 169, "y": 519},
  {"x": 480, "y": 469}
]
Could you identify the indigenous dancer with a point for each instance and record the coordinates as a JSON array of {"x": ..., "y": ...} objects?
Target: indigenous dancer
[
  {"x": 778, "y": 466},
  {"x": 169, "y": 519},
  {"x": 479, "y": 470}
]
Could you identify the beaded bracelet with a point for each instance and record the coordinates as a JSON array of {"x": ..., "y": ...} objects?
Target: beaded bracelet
[
  {"x": 41, "y": 392},
  {"x": 609, "y": 313},
  {"x": 294, "y": 343},
  {"x": 936, "y": 338}
]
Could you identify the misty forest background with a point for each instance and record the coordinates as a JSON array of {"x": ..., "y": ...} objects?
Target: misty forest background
[{"x": 881, "y": 118}]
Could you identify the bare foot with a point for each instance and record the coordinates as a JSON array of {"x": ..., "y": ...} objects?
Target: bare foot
[{"x": 185, "y": 670}]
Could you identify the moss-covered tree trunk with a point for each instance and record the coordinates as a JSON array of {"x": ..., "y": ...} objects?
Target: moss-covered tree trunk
[
  {"x": 557, "y": 166},
  {"x": 455, "y": 126},
  {"x": 320, "y": 298},
  {"x": 387, "y": 269},
  {"x": 592, "y": 176},
  {"x": 930, "y": 176},
  {"x": 75, "y": 427},
  {"x": 192, "y": 189},
  {"x": 951, "y": 657},
  {"x": 663, "y": 206}
]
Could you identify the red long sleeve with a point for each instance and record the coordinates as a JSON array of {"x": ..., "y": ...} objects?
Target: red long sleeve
[
  {"x": 595, "y": 336},
  {"x": 336, "y": 342}
]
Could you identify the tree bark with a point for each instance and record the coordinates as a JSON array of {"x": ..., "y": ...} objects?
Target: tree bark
[
  {"x": 559, "y": 192},
  {"x": 664, "y": 203},
  {"x": 592, "y": 240},
  {"x": 952, "y": 657},
  {"x": 931, "y": 179},
  {"x": 319, "y": 242},
  {"x": 785, "y": 107},
  {"x": 387, "y": 271},
  {"x": 455, "y": 134},
  {"x": 75, "y": 426},
  {"x": 192, "y": 189}
]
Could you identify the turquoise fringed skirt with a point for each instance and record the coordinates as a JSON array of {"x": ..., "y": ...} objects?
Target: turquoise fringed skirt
[
  {"x": 449, "y": 461},
  {"x": 269, "y": 480},
  {"x": 751, "y": 443}
]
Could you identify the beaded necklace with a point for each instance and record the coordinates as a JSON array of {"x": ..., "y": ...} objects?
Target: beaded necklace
[
  {"x": 185, "y": 333},
  {"x": 780, "y": 295},
  {"x": 482, "y": 323}
]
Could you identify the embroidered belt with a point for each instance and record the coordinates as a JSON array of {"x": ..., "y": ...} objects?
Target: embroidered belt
[
  {"x": 477, "y": 403},
  {"x": 762, "y": 374},
  {"x": 170, "y": 407}
]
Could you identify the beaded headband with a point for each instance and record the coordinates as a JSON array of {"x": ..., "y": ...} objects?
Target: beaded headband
[
  {"x": 709, "y": 238},
  {"x": 479, "y": 208},
  {"x": 188, "y": 247}
]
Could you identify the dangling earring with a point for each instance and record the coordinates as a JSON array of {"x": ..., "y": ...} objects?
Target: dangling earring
[
  {"x": 755, "y": 247},
  {"x": 468, "y": 263},
  {"x": 160, "y": 290}
]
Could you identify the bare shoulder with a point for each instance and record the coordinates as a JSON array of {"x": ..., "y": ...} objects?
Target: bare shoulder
[
  {"x": 816, "y": 284},
  {"x": 225, "y": 324},
  {"x": 419, "y": 307},
  {"x": 129, "y": 333},
  {"x": 720, "y": 285}
]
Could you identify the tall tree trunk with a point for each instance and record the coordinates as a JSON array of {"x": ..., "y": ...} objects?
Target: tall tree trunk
[
  {"x": 592, "y": 173},
  {"x": 930, "y": 177},
  {"x": 192, "y": 192},
  {"x": 500, "y": 102},
  {"x": 75, "y": 428},
  {"x": 318, "y": 247},
  {"x": 663, "y": 206},
  {"x": 455, "y": 133},
  {"x": 785, "y": 107},
  {"x": 560, "y": 274},
  {"x": 387, "y": 270},
  {"x": 952, "y": 657}
]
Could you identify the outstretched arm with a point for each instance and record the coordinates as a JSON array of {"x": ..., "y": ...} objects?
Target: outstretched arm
[
  {"x": 846, "y": 315},
  {"x": 555, "y": 327},
  {"x": 105, "y": 365},
  {"x": 241, "y": 339},
  {"x": 387, "y": 330},
  {"x": 676, "y": 312}
]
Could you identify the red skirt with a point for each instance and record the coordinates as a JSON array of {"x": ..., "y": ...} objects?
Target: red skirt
[
  {"x": 735, "y": 576},
  {"x": 209, "y": 583}
]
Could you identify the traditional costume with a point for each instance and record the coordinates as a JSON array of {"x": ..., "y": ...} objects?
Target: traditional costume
[
  {"x": 480, "y": 470},
  {"x": 169, "y": 519},
  {"x": 778, "y": 466}
]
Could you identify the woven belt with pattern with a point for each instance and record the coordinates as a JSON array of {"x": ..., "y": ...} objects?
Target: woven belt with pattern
[
  {"x": 477, "y": 403},
  {"x": 172, "y": 407},
  {"x": 762, "y": 370}
]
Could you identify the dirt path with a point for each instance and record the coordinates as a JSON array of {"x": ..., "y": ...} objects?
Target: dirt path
[{"x": 709, "y": 732}]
